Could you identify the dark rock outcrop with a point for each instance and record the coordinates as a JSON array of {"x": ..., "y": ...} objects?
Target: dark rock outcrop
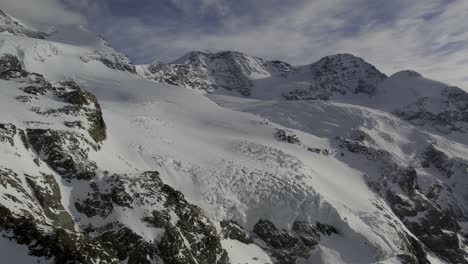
[
  {"x": 54, "y": 243},
  {"x": 9, "y": 62},
  {"x": 66, "y": 152},
  {"x": 287, "y": 136},
  {"x": 232, "y": 230},
  {"x": 287, "y": 247},
  {"x": 435, "y": 225}
]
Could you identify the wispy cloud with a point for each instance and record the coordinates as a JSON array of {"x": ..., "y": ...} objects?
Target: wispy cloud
[{"x": 42, "y": 13}]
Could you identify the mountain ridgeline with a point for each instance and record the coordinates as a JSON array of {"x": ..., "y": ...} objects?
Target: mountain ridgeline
[{"x": 103, "y": 161}]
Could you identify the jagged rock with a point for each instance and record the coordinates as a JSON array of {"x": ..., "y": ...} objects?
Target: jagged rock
[
  {"x": 8, "y": 63},
  {"x": 47, "y": 192},
  {"x": 277, "y": 239},
  {"x": 15, "y": 27},
  {"x": 338, "y": 75},
  {"x": 287, "y": 136},
  {"x": 66, "y": 152},
  {"x": 434, "y": 157},
  {"x": 289, "y": 247},
  {"x": 35, "y": 90},
  {"x": 450, "y": 115},
  {"x": 127, "y": 245},
  {"x": 408, "y": 180},
  {"x": 80, "y": 97},
  {"x": 359, "y": 147},
  {"x": 182, "y": 222},
  {"x": 438, "y": 231},
  {"x": 207, "y": 72},
  {"x": 417, "y": 253},
  {"x": 112, "y": 59},
  {"x": 14, "y": 192},
  {"x": 324, "y": 152},
  {"x": 436, "y": 228},
  {"x": 52, "y": 242},
  {"x": 232, "y": 230},
  {"x": 80, "y": 103},
  {"x": 7, "y": 132},
  {"x": 192, "y": 226},
  {"x": 101, "y": 199}
]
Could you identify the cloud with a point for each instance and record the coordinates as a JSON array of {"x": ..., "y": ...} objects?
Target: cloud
[{"x": 41, "y": 13}]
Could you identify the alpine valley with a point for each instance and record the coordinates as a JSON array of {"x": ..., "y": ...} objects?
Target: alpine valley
[{"x": 220, "y": 158}]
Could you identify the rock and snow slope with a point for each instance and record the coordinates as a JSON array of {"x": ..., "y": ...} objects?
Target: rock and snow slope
[{"x": 100, "y": 165}]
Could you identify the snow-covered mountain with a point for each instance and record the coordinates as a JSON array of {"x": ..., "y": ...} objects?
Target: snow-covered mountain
[
  {"x": 11, "y": 25},
  {"x": 258, "y": 78},
  {"x": 331, "y": 162},
  {"x": 207, "y": 72}
]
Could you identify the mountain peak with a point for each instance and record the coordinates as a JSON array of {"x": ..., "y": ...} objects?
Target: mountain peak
[
  {"x": 189, "y": 56},
  {"x": 208, "y": 72},
  {"x": 338, "y": 75},
  {"x": 344, "y": 60},
  {"x": 197, "y": 55},
  {"x": 13, "y": 26},
  {"x": 406, "y": 73},
  {"x": 342, "y": 56}
]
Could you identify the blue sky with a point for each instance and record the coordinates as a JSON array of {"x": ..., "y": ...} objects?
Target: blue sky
[{"x": 429, "y": 36}]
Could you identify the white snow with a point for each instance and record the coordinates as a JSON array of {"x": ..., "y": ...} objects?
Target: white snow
[{"x": 240, "y": 253}]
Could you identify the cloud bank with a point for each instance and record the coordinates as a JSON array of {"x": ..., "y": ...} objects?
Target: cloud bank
[{"x": 42, "y": 13}]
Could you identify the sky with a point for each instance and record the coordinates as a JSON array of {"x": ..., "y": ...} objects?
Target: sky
[{"x": 429, "y": 36}]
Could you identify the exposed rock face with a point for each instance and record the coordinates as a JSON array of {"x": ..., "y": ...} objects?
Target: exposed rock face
[
  {"x": 338, "y": 75},
  {"x": 232, "y": 230},
  {"x": 437, "y": 107},
  {"x": 112, "y": 59},
  {"x": 287, "y": 136},
  {"x": 287, "y": 247},
  {"x": 32, "y": 214},
  {"x": 445, "y": 115},
  {"x": 192, "y": 225},
  {"x": 332, "y": 76},
  {"x": 180, "y": 221},
  {"x": 47, "y": 192},
  {"x": 208, "y": 72},
  {"x": 53, "y": 243},
  {"x": 12, "y": 26},
  {"x": 127, "y": 245},
  {"x": 66, "y": 152},
  {"x": 9, "y": 62},
  {"x": 432, "y": 215},
  {"x": 89, "y": 105},
  {"x": 80, "y": 104},
  {"x": 345, "y": 73},
  {"x": 38, "y": 218}
]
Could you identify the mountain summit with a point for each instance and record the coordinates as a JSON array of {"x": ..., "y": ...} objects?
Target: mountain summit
[
  {"x": 11, "y": 25},
  {"x": 221, "y": 158},
  {"x": 251, "y": 76},
  {"x": 208, "y": 72}
]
